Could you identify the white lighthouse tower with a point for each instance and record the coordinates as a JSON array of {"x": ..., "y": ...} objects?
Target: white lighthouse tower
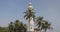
[{"x": 30, "y": 24}]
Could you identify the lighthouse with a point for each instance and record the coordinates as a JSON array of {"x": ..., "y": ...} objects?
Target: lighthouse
[{"x": 30, "y": 25}]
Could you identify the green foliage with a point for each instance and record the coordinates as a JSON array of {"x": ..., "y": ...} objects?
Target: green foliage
[
  {"x": 17, "y": 27},
  {"x": 42, "y": 24},
  {"x": 46, "y": 25},
  {"x": 11, "y": 27},
  {"x": 4, "y": 29},
  {"x": 29, "y": 13},
  {"x": 39, "y": 21}
]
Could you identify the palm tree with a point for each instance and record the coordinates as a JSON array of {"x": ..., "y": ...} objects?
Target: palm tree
[
  {"x": 11, "y": 27},
  {"x": 46, "y": 25},
  {"x": 17, "y": 25},
  {"x": 29, "y": 14},
  {"x": 25, "y": 27},
  {"x": 21, "y": 26},
  {"x": 39, "y": 22}
]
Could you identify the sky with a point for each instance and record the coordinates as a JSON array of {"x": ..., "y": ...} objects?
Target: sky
[{"x": 11, "y": 10}]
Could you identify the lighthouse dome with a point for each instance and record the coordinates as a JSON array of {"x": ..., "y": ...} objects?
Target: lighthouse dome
[{"x": 30, "y": 6}]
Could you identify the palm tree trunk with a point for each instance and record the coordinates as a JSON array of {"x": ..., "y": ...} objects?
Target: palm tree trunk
[
  {"x": 40, "y": 30},
  {"x": 10, "y": 31},
  {"x": 29, "y": 24},
  {"x": 45, "y": 30}
]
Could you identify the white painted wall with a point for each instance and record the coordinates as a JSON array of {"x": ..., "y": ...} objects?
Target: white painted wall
[{"x": 31, "y": 26}]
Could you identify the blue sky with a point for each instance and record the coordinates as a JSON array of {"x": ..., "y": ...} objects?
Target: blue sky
[{"x": 10, "y": 10}]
